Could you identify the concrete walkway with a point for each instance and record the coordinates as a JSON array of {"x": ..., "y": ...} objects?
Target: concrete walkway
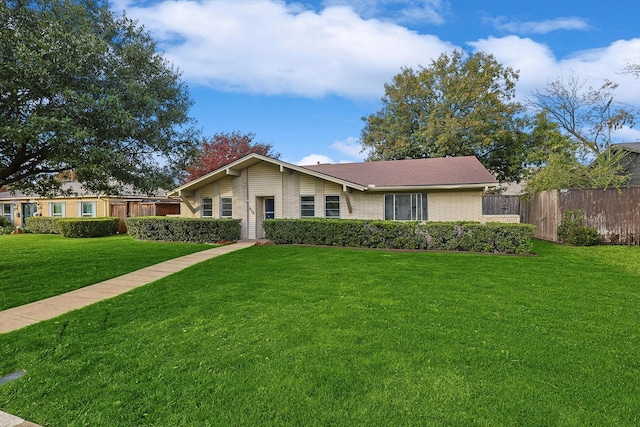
[
  {"x": 19, "y": 317},
  {"x": 28, "y": 314}
]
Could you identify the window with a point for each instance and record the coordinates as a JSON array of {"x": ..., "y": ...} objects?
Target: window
[
  {"x": 7, "y": 212},
  {"x": 332, "y": 206},
  {"x": 405, "y": 207},
  {"x": 207, "y": 208},
  {"x": 88, "y": 209},
  {"x": 57, "y": 209},
  {"x": 307, "y": 206},
  {"x": 226, "y": 207}
]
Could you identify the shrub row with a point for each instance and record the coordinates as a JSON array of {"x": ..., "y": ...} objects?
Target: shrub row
[
  {"x": 459, "y": 236},
  {"x": 43, "y": 225},
  {"x": 88, "y": 227},
  {"x": 196, "y": 230}
]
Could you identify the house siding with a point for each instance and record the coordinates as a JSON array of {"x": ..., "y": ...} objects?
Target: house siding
[
  {"x": 455, "y": 206},
  {"x": 264, "y": 179}
]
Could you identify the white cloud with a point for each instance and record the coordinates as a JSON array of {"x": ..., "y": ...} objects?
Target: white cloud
[
  {"x": 538, "y": 65},
  {"x": 400, "y": 11},
  {"x": 350, "y": 147},
  {"x": 626, "y": 134},
  {"x": 539, "y": 27},
  {"x": 269, "y": 47},
  {"x": 313, "y": 159}
]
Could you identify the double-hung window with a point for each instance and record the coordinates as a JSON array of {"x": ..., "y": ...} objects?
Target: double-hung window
[
  {"x": 207, "y": 208},
  {"x": 7, "y": 212},
  {"x": 332, "y": 206},
  {"x": 226, "y": 207},
  {"x": 88, "y": 209},
  {"x": 307, "y": 207},
  {"x": 405, "y": 207},
  {"x": 57, "y": 209}
]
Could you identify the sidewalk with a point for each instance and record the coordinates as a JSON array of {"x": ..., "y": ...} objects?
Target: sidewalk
[{"x": 28, "y": 314}]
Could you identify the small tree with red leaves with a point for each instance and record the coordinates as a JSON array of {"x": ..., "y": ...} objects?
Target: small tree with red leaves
[{"x": 223, "y": 149}]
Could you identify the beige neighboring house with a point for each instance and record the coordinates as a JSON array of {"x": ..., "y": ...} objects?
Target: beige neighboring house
[
  {"x": 17, "y": 207},
  {"x": 256, "y": 187}
]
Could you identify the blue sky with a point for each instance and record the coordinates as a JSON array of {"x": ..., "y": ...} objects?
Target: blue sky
[{"x": 301, "y": 74}]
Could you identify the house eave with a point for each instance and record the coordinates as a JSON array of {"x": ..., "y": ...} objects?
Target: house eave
[{"x": 414, "y": 188}]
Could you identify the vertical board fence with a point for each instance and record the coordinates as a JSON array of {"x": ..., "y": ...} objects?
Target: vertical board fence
[
  {"x": 614, "y": 213},
  {"x": 496, "y": 204},
  {"x": 124, "y": 210}
]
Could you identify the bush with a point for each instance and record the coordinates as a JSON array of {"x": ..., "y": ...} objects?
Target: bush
[
  {"x": 43, "y": 225},
  {"x": 88, "y": 227},
  {"x": 572, "y": 232},
  {"x": 194, "y": 230},
  {"x": 459, "y": 236}
]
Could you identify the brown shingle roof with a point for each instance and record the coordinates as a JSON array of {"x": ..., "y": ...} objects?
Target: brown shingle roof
[{"x": 411, "y": 172}]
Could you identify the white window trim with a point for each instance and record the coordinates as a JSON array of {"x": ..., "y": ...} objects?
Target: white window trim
[
  {"x": 339, "y": 206},
  {"x": 202, "y": 210},
  {"x": 422, "y": 212},
  {"x": 64, "y": 209},
  {"x": 94, "y": 209},
  {"x": 222, "y": 207},
  {"x": 308, "y": 204}
]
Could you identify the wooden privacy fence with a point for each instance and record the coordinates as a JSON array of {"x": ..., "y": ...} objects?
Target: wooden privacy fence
[
  {"x": 614, "y": 213},
  {"x": 495, "y": 204},
  {"x": 134, "y": 209}
]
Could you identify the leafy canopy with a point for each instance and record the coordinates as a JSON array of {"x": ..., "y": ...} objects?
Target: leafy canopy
[
  {"x": 84, "y": 89},
  {"x": 461, "y": 105},
  {"x": 223, "y": 149},
  {"x": 577, "y": 122}
]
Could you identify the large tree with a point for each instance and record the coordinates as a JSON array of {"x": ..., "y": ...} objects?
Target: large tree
[
  {"x": 582, "y": 119},
  {"x": 587, "y": 115},
  {"x": 224, "y": 148},
  {"x": 460, "y": 105},
  {"x": 83, "y": 88}
]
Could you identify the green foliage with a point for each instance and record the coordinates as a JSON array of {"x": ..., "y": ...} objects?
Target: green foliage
[
  {"x": 458, "y": 106},
  {"x": 460, "y": 236},
  {"x": 89, "y": 227},
  {"x": 44, "y": 265},
  {"x": 572, "y": 232},
  {"x": 195, "y": 230},
  {"x": 563, "y": 170},
  {"x": 43, "y": 225},
  {"x": 86, "y": 89},
  {"x": 308, "y": 336}
]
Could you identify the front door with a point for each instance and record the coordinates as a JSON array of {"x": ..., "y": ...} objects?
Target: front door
[
  {"x": 28, "y": 209},
  {"x": 269, "y": 208}
]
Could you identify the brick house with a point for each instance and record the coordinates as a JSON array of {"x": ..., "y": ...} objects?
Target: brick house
[{"x": 256, "y": 187}]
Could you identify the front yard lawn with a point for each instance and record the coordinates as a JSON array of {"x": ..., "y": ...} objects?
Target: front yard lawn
[
  {"x": 38, "y": 266},
  {"x": 292, "y": 336}
]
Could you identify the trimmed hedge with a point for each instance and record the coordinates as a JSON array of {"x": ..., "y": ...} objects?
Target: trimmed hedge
[
  {"x": 194, "y": 230},
  {"x": 43, "y": 225},
  {"x": 458, "y": 236},
  {"x": 88, "y": 227}
]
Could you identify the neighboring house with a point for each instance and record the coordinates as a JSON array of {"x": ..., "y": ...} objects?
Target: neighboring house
[
  {"x": 17, "y": 207},
  {"x": 256, "y": 187},
  {"x": 632, "y": 160}
]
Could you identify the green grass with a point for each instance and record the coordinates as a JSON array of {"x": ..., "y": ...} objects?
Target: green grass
[
  {"x": 37, "y": 266},
  {"x": 308, "y": 336}
]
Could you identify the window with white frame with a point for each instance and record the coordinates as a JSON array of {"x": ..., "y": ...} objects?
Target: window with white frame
[
  {"x": 405, "y": 207},
  {"x": 332, "y": 206},
  {"x": 88, "y": 209},
  {"x": 57, "y": 209},
  {"x": 307, "y": 206},
  {"x": 226, "y": 207},
  {"x": 207, "y": 207},
  {"x": 7, "y": 212}
]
